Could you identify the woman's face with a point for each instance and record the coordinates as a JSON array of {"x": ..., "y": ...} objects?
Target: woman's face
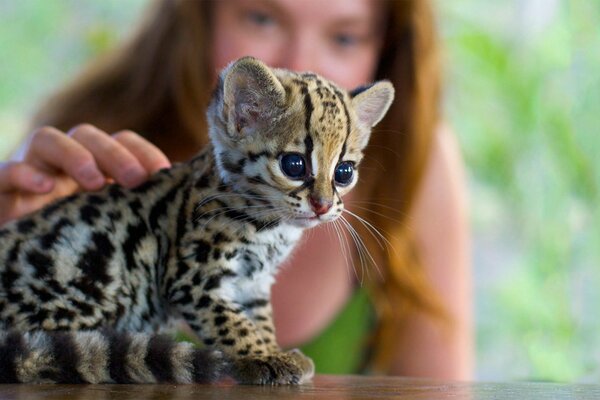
[{"x": 339, "y": 39}]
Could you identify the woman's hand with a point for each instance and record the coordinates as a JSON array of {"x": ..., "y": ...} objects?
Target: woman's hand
[{"x": 56, "y": 164}]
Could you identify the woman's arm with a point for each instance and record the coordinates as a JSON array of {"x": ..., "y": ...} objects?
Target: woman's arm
[{"x": 440, "y": 223}]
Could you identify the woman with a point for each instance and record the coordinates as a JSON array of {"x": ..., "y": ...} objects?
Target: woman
[{"x": 411, "y": 188}]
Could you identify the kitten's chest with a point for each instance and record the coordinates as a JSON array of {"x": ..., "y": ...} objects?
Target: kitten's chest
[{"x": 257, "y": 262}]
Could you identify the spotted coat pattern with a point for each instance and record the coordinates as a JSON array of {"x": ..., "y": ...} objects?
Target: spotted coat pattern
[{"x": 86, "y": 282}]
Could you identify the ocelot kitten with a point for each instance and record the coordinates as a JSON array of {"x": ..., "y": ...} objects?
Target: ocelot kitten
[{"x": 87, "y": 281}]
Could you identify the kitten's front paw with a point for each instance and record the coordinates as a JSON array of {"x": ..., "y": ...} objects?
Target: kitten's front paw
[{"x": 290, "y": 368}]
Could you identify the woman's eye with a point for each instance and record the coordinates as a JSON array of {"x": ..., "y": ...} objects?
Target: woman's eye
[
  {"x": 344, "y": 172},
  {"x": 260, "y": 18},
  {"x": 345, "y": 39},
  {"x": 293, "y": 165}
]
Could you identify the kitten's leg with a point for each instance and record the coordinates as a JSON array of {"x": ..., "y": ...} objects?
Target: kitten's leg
[
  {"x": 250, "y": 342},
  {"x": 254, "y": 369}
]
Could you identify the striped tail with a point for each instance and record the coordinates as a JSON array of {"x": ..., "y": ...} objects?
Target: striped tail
[{"x": 104, "y": 357}]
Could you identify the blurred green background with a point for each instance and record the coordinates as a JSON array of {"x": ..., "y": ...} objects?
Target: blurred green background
[{"x": 522, "y": 94}]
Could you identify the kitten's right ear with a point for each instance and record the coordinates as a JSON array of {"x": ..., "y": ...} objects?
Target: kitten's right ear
[{"x": 252, "y": 97}]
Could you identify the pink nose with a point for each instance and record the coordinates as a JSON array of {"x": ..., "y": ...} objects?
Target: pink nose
[{"x": 319, "y": 206}]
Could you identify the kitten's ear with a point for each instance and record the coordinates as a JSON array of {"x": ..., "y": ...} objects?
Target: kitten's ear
[
  {"x": 372, "y": 102},
  {"x": 252, "y": 96}
]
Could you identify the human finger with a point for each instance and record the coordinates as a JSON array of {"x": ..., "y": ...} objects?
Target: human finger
[
  {"x": 150, "y": 156},
  {"x": 113, "y": 158},
  {"x": 20, "y": 176},
  {"x": 52, "y": 150}
]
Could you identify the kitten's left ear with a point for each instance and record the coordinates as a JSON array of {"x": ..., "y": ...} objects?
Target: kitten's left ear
[
  {"x": 252, "y": 96},
  {"x": 372, "y": 102}
]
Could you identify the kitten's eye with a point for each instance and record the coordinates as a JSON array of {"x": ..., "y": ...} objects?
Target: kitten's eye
[
  {"x": 293, "y": 165},
  {"x": 344, "y": 173}
]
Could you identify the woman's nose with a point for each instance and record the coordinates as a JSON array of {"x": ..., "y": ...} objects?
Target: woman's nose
[{"x": 299, "y": 55}]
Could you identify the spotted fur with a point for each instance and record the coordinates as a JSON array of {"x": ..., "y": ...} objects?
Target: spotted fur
[{"x": 86, "y": 282}]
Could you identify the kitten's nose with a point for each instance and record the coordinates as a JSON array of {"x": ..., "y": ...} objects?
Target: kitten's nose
[{"x": 319, "y": 206}]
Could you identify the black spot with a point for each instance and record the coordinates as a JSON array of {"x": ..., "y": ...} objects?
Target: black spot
[
  {"x": 219, "y": 308},
  {"x": 308, "y": 108},
  {"x": 220, "y": 320},
  {"x": 214, "y": 281},
  {"x": 25, "y": 226},
  {"x": 96, "y": 200},
  {"x": 84, "y": 308},
  {"x": 40, "y": 262},
  {"x": 94, "y": 261},
  {"x": 38, "y": 318},
  {"x": 203, "y": 302},
  {"x": 63, "y": 313},
  {"x": 223, "y": 332},
  {"x": 9, "y": 277},
  {"x": 135, "y": 206},
  {"x": 197, "y": 279},
  {"x": 216, "y": 253},
  {"x": 202, "y": 250},
  {"x": 202, "y": 182},
  {"x": 147, "y": 186},
  {"x": 256, "y": 304},
  {"x": 160, "y": 207},
  {"x": 115, "y": 215},
  {"x": 42, "y": 294},
  {"x": 89, "y": 214},
  {"x": 56, "y": 287},
  {"x": 253, "y": 157},
  {"x": 57, "y": 205},
  {"x": 116, "y": 192},
  {"x": 135, "y": 234},
  {"x": 209, "y": 341},
  {"x": 47, "y": 240},
  {"x": 89, "y": 289},
  {"x": 182, "y": 218},
  {"x": 27, "y": 308},
  {"x": 232, "y": 167},
  {"x": 219, "y": 238},
  {"x": 243, "y": 332},
  {"x": 13, "y": 297},
  {"x": 228, "y": 342}
]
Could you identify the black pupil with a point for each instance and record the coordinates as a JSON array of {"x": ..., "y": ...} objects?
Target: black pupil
[
  {"x": 343, "y": 173},
  {"x": 293, "y": 165}
]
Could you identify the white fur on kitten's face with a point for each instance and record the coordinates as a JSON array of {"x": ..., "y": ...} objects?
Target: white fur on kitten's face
[{"x": 294, "y": 139}]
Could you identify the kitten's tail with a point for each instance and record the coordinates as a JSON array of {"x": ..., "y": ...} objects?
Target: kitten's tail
[{"x": 103, "y": 356}]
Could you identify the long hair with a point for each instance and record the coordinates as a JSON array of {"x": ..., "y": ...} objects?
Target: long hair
[{"x": 158, "y": 84}]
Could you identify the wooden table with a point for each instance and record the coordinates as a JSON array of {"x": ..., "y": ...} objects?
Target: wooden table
[{"x": 323, "y": 387}]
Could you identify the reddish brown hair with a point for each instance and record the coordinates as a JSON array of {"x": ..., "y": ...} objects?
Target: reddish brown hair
[{"x": 158, "y": 84}]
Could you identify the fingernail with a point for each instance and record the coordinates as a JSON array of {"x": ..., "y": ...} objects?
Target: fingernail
[
  {"x": 133, "y": 176},
  {"x": 40, "y": 181},
  {"x": 91, "y": 175}
]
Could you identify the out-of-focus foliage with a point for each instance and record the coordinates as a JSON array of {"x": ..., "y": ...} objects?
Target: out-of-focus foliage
[
  {"x": 44, "y": 43},
  {"x": 523, "y": 94}
]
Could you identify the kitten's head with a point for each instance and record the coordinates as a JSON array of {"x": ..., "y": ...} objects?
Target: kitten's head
[{"x": 295, "y": 140}]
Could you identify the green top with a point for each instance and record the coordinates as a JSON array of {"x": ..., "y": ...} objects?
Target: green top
[{"x": 340, "y": 349}]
